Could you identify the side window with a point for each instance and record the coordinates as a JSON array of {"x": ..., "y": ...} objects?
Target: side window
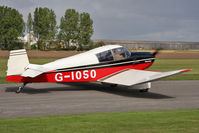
[
  {"x": 127, "y": 52},
  {"x": 105, "y": 56}
]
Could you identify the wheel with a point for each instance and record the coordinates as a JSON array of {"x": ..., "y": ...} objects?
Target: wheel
[
  {"x": 113, "y": 85},
  {"x": 144, "y": 90},
  {"x": 19, "y": 90},
  {"x": 109, "y": 85}
]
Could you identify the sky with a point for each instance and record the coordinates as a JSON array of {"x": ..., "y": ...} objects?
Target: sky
[{"x": 152, "y": 20}]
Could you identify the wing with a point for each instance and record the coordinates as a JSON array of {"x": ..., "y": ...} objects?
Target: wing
[
  {"x": 131, "y": 77},
  {"x": 33, "y": 70}
]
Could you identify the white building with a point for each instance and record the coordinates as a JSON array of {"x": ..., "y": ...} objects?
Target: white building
[{"x": 29, "y": 38}]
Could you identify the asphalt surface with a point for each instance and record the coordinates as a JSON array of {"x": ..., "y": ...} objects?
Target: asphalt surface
[{"x": 56, "y": 99}]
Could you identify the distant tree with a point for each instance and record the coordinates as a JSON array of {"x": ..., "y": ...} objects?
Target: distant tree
[
  {"x": 100, "y": 43},
  {"x": 53, "y": 27},
  {"x": 69, "y": 27},
  {"x": 11, "y": 27},
  {"x": 36, "y": 22},
  {"x": 29, "y": 29},
  {"x": 29, "y": 23},
  {"x": 85, "y": 29},
  {"x": 44, "y": 26}
]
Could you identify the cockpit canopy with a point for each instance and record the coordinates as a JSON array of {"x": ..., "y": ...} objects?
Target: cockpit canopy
[{"x": 113, "y": 54}]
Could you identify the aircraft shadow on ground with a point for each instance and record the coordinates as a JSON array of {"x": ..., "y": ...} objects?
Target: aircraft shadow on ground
[
  {"x": 30, "y": 90},
  {"x": 85, "y": 86},
  {"x": 122, "y": 91}
]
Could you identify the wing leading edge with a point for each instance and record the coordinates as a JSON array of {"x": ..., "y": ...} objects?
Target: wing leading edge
[{"x": 130, "y": 77}]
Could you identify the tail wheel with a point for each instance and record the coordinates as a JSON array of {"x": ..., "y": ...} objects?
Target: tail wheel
[{"x": 21, "y": 87}]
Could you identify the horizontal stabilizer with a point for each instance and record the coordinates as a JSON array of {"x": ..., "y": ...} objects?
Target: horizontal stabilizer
[
  {"x": 130, "y": 77},
  {"x": 33, "y": 70}
]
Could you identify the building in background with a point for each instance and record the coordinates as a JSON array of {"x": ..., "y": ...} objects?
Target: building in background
[{"x": 29, "y": 38}]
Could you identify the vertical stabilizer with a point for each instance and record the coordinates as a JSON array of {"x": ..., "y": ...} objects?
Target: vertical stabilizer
[{"x": 17, "y": 62}]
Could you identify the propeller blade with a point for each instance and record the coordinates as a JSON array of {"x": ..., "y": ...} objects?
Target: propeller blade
[{"x": 156, "y": 52}]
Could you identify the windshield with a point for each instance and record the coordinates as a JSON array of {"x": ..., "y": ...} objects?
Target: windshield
[{"x": 121, "y": 53}]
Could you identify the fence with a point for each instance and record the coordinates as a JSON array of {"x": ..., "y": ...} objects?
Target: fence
[{"x": 133, "y": 44}]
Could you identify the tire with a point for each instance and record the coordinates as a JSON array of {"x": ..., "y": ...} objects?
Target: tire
[
  {"x": 144, "y": 90},
  {"x": 113, "y": 85},
  {"x": 19, "y": 90},
  {"x": 109, "y": 85}
]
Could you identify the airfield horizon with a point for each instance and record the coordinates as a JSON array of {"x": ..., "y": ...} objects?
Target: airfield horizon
[{"x": 163, "y": 54}]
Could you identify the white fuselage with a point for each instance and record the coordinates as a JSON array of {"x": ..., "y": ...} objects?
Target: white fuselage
[{"x": 86, "y": 58}]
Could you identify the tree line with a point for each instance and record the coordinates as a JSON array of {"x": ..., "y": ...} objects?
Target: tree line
[{"x": 74, "y": 32}]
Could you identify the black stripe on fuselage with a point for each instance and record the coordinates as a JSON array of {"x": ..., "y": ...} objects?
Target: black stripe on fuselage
[{"x": 124, "y": 62}]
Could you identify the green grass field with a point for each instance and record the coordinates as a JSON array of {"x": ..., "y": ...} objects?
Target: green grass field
[
  {"x": 159, "y": 65},
  {"x": 176, "y": 64},
  {"x": 180, "y": 121}
]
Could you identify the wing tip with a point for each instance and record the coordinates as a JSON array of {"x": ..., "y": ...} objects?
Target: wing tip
[{"x": 185, "y": 70}]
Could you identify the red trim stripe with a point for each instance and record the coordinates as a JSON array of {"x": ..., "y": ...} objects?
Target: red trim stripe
[{"x": 100, "y": 73}]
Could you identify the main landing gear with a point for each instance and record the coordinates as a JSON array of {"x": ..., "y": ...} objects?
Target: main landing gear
[
  {"x": 144, "y": 90},
  {"x": 21, "y": 88},
  {"x": 142, "y": 87}
]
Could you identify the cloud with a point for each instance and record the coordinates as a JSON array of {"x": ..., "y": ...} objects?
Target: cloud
[{"x": 174, "y": 20}]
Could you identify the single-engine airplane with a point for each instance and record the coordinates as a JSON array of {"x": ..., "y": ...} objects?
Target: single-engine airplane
[{"x": 109, "y": 64}]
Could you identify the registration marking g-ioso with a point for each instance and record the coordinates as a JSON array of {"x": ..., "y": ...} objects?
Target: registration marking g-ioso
[{"x": 76, "y": 75}]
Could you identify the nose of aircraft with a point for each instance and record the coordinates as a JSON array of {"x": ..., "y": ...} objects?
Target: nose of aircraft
[
  {"x": 141, "y": 55},
  {"x": 156, "y": 52}
]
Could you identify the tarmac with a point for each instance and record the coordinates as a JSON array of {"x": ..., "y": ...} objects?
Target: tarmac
[{"x": 47, "y": 99}]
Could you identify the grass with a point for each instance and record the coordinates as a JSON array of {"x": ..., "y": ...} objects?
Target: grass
[
  {"x": 183, "y": 121},
  {"x": 176, "y": 64},
  {"x": 159, "y": 65},
  {"x": 3, "y": 68}
]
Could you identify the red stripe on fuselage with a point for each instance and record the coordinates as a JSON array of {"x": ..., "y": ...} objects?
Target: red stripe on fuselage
[{"x": 77, "y": 76}]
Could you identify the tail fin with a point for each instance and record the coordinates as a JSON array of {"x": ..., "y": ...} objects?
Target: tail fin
[{"x": 17, "y": 62}]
